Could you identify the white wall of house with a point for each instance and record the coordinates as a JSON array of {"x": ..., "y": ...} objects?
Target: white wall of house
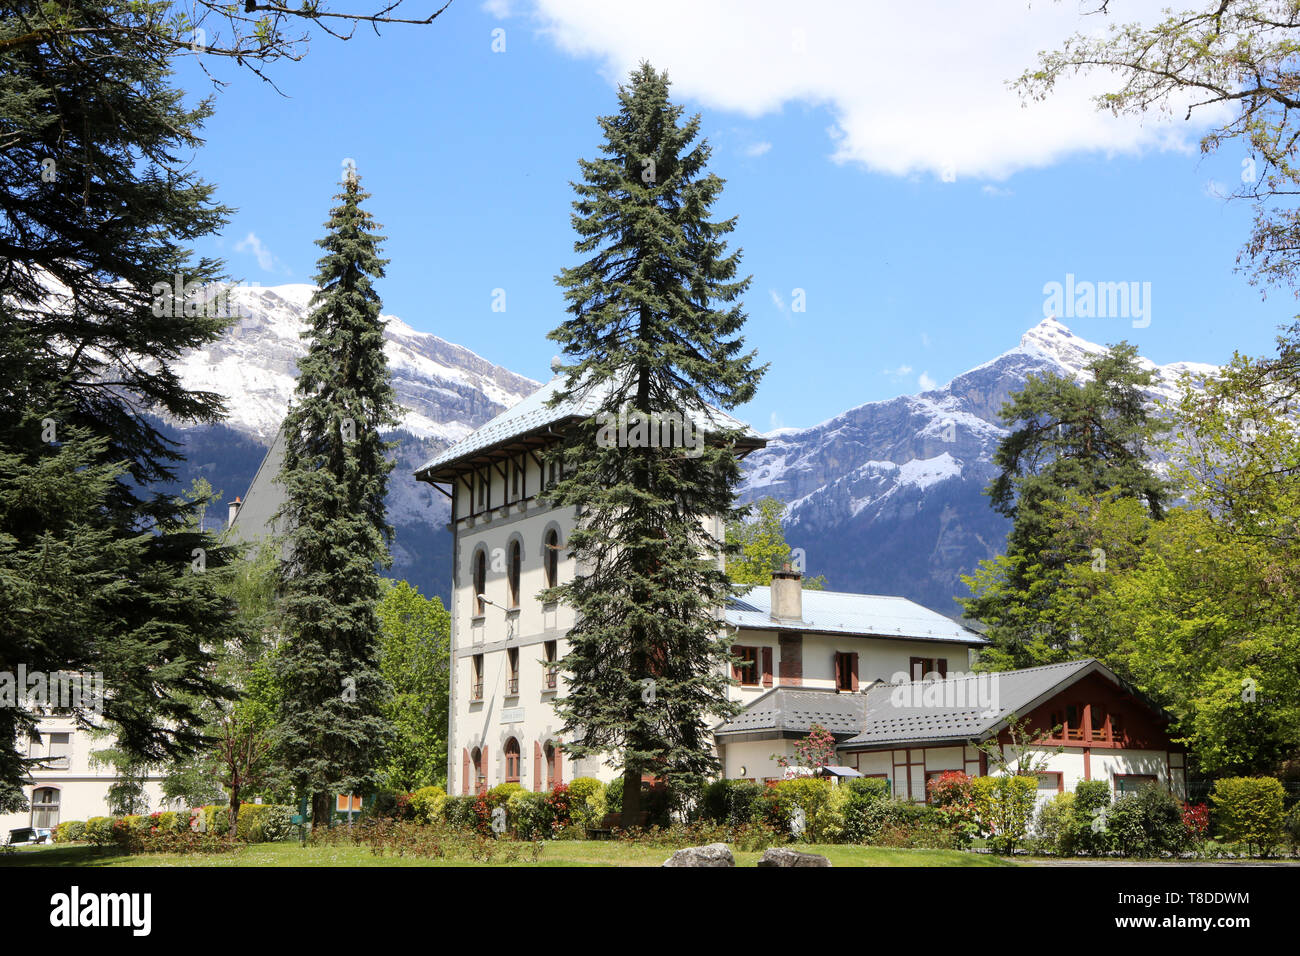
[
  {"x": 909, "y": 768},
  {"x": 81, "y": 784}
]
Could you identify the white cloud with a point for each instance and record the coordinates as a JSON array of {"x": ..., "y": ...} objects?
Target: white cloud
[
  {"x": 997, "y": 192},
  {"x": 926, "y": 382},
  {"x": 250, "y": 243},
  {"x": 901, "y": 372},
  {"x": 776, "y": 299},
  {"x": 758, "y": 149},
  {"x": 910, "y": 86},
  {"x": 925, "y": 340}
]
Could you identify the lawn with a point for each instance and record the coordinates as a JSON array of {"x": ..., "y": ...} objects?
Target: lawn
[{"x": 558, "y": 853}]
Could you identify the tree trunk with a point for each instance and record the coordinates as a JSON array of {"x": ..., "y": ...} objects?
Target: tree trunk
[
  {"x": 320, "y": 810},
  {"x": 631, "y": 797},
  {"x": 234, "y": 812}
]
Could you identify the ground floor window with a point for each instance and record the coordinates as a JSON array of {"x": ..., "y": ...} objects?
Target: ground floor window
[
  {"x": 1050, "y": 782},
  {"x": 45, "y": 808},
  {"x": 1132, "y": 782}
]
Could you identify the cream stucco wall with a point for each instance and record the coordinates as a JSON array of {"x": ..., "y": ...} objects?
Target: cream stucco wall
[{"x": 82, "y": 784}]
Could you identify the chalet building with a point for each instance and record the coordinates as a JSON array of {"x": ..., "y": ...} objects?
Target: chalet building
[{"x": 910, "y": 731}]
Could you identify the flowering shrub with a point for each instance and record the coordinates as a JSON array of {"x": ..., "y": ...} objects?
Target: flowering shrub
[
  {"x": 559, "y": 800},
  {"x": 1196, "y": 822},
  {"x": 815, "y": 750},
  {"x": 953, "y": 795}
]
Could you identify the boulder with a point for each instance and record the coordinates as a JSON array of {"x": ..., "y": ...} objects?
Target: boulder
[
  {"x": 784, "y": 856},
  {"x": 715, "y": 854}
]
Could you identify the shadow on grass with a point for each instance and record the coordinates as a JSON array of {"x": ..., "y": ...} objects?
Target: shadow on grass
[{"x": 78, "y": 855}]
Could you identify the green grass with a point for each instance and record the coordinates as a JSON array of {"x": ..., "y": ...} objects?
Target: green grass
[{"x": 558, "y": 853}]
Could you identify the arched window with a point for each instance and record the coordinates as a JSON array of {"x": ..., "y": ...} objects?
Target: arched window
[
  {"x": 514, "y": 573},
  {"x": 480, "y": 582},
  {"x": 45, "y": 808},
  {"x": 552, "y": 558},
  {"x": 512, "y": 760}
]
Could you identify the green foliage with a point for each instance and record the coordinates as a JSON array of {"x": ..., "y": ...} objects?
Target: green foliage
[
  {"x": 333, "y": 727},
  {"x": 99, "y": 830},
  {"x": 730, "y": 802},
  {"x": 499, "y": 794},
  {"x": 70, "y": 831},
  {"x": 823, "y": 819},
  {"x": 588, "y": 801},
  {"x": 413, "y": 659},
  {"x": 1092, "y": 800},
  {"x": 761, "y": 547},
  {"x": 1068, "y": 441},
  {"x": 1004, "y": 808},
  {"x": 530, "y": 814},
  {"x": 1054, "y": 828},
  {"x": 1249, "y": 810},
  {"x": 654, "y": 328},
  {"x": 895, "y": 823},
  {"x": 426, "y": 804},
  {"x": 871, "y": 788},
  {"x": 97, "y": 565},
  {"x": 264, "y": 823},
  {"x": 1147, "y": 823}
]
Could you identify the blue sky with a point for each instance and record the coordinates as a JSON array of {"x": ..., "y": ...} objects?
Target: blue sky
[{"x": 837, "y": 177}]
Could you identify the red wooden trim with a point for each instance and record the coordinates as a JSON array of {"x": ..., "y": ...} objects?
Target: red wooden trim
[
  {"x": 1087, "y": 763},
  {"x": 537, "y": 765},
  {"x": 767, "y": 667},
  {"x": 853, "y": 671},
  {"x": 464, "y": 773}
]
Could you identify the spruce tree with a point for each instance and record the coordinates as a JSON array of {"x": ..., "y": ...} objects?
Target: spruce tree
[
  {"x": 99, "y": 573},
  {"x": 653, "y": 330},
  {"x": 331, "y": 728},
  {"x": 1069, "y": 441}
]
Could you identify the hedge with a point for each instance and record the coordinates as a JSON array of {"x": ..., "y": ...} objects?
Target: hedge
[
  {"x": 1249, "y": 810},
  {"x": 426, "y": 804}
]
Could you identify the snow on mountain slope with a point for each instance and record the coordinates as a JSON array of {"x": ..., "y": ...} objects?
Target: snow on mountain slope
[
  {"x": 446, "y": 390},
  {"x": 887, "y": 498}
]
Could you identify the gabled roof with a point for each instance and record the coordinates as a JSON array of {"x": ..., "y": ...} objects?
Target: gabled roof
[
  {"x": 840, "y": 612},
  {"x": 962, "y": 708},
  {"x": 952, "y": 710},
  {"x": 535, "y": 415}
]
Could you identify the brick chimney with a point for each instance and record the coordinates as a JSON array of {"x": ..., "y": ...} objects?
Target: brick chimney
[
  {"x": 233, "y": 510},
  {"x": 787, "y": 595}
]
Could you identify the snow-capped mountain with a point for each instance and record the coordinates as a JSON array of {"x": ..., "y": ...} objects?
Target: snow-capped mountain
[
  {"x": 445, "y": 389},
  {"x": 885, "y": 498},
  {"x": 888, "y": 497}
]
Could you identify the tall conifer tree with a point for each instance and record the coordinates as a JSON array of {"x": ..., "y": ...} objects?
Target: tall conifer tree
[
  {"x": 98, "y": 571},
  {"x": 1088, "y": 439},
  {"x": 654, "y": 328},
  {"x": 331, "y": 730}
]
